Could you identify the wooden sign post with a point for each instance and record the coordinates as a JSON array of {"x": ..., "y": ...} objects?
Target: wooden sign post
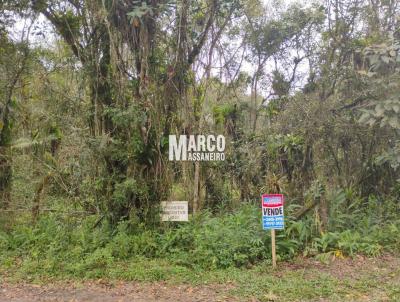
[
  {"x": 273, "y": 248},
  {"x": 273, "y": 218}
]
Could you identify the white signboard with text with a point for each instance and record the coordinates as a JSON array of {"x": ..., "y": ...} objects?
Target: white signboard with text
[{"x": 174, "y": 211}]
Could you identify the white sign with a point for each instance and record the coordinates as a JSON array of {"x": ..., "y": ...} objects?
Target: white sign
[{"x": 174, "y": 211}]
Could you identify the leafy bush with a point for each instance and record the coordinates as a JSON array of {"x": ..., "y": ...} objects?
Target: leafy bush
[
  {"x": 232, "y": 239},
  {"x": 229, "y": 240}
]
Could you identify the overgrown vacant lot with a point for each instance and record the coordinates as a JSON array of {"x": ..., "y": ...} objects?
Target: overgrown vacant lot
[
  {"x": 357, "y": 279},
  {"x": 118, "y": 116},
  {"x": 225, "y": 256}
]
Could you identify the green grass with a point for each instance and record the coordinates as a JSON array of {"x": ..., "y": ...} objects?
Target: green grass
[{"x": 372, "y": 280}]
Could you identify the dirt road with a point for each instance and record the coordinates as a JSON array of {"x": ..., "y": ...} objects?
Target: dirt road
[{"x": 115, "y": 292}]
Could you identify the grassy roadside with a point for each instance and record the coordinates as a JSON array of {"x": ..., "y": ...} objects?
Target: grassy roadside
[
  {"x": 229, "y": 249},
  {"x": 303, "y": 279}
]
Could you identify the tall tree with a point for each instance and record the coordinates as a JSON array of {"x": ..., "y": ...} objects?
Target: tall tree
[{"x": 13, "y": 62}]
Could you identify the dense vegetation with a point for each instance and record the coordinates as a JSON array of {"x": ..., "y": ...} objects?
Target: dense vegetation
[{"x": 307, "y": 96}]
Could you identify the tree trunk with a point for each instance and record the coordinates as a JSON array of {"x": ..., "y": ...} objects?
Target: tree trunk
[
  {"x": 5, "y": 178},
  {"x": 323, "y": 214},
  {"x": 5, "y": 160},
  {"x": 38, "y": 197},
  {"x": 196, "y": 200}
]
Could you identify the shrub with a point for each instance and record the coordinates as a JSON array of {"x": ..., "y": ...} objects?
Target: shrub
[{"x": 73, "y": 247}]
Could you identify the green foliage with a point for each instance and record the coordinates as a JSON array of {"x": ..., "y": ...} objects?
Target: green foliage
[
  {"x": 383, "y": 73},
  {"x": 126, "y": 76},
  {"x": 386, "y": 112},
  {"x": 69, "y": 23},
  {"x": 279, "y": 85},
  {"x": 73, "y": 248},
  {"x": 384, "y": 57},
  {"x": 215, "y": 242},
  {"x": 222, "y": 112},
  {"x": 140, "y": 11},
  {"x": 348, "y": 243},
  {"x": 128, "y": 194}
]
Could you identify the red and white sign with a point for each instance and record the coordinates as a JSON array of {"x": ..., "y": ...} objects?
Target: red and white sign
[{"x": 272, "y": 200}]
